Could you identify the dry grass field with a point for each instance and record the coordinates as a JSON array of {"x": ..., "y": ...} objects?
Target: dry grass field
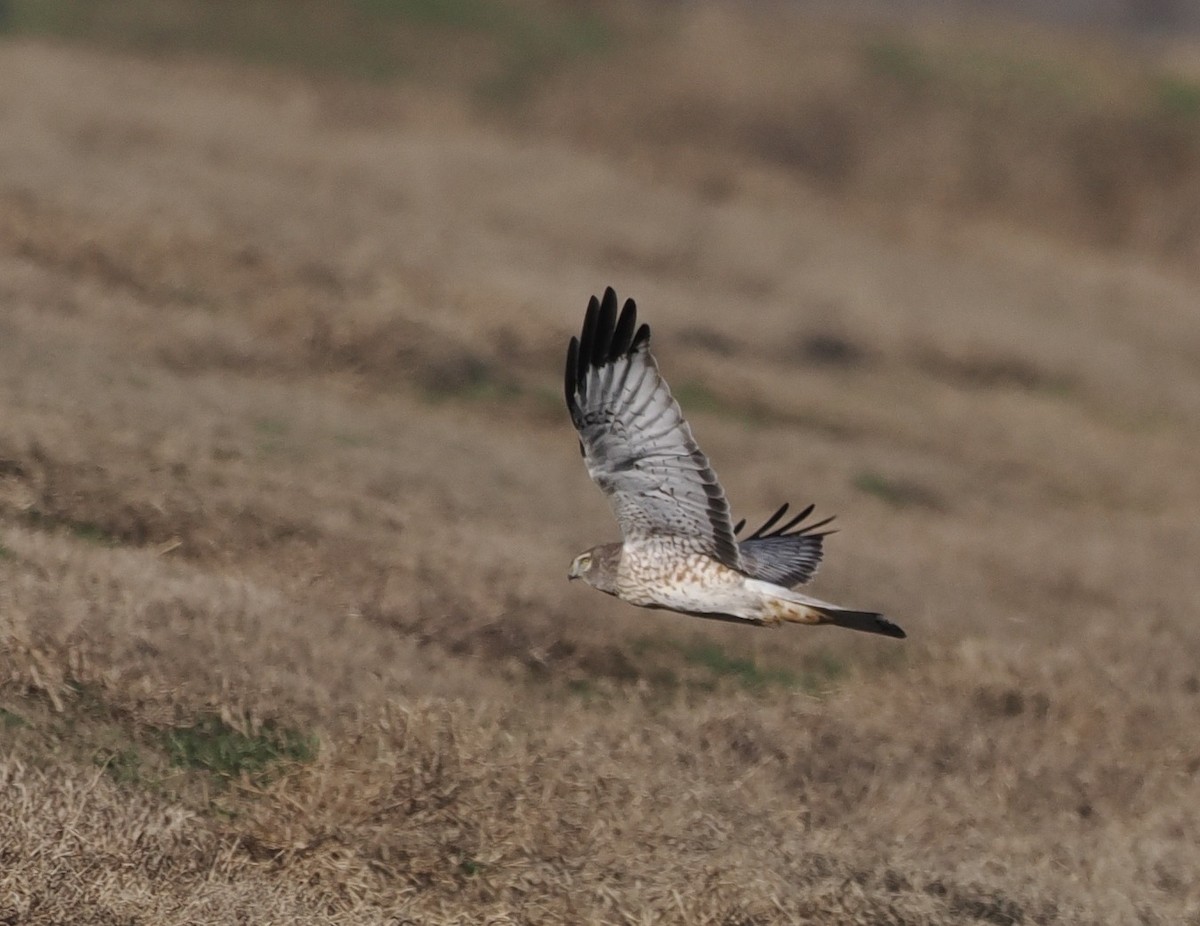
[{"x": 288, "y": 494}]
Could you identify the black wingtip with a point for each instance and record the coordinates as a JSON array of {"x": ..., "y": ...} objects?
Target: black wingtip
[
  {"x": 793, "y": 528},
  {"x": 587, "y": 337},
  {"x": 608, "y": 335},
  {"x": 770, "y": 522},
  {"x": 888, "y": 629},
  {"x": 571, "y": 378},
  {"x": 605, "y": 338},
  {"x": 606, "y": 323},
  {"x": 622, "y": 338}
]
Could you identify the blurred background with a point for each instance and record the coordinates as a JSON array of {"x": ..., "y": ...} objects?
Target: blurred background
[
  {"x": 1072, "y": 118},
  {"x": 1076, "y": 117},
  {"x": 288, "y": 491}
]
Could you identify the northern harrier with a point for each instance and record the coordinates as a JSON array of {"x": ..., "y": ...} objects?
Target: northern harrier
[{"x": 679, "y": 547}]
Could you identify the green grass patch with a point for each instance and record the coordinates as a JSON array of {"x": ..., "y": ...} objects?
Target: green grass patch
[
  {"x": 85, "y": 530},
  {"x": 979, "y": 74},
  {"x": 1008, "y": 73},
  {"x": 211, "y": 745},
  {"x": 480, "y": 390},
  {"x": 87, "y": 699},
  {"x": 899, "y": 61},
  {"x": 511, "y": 43},
  {"x": 534, "y": 48},
  {"x": 546, "y": 403},
  {"x": 93, "y": 533},
  {"x": 1178, "y": 97},
  {"x": 334, "y": 37},
  {"x": 456, "y": 14},
  {"x": 272, "y": 427},
  {"x": 124, "y": 766},
  {"x": 820, "y": 670},
  {"x": 702, "y": 665},
  {"x": 353, "y": 441},
  {"x": 745, "y": 671},
  {"x": 467, "y": 378},
  {"x": 272, "y": 435},
  {"x": 192, "y": 764},
  {"x": 695, "y": 397},
  {"x": 10, "y": 720},
  {"x": 899, "y": 493},
  {"x": 582, "y": 687}
]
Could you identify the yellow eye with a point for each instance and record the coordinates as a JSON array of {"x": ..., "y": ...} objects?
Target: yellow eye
[{"x": 585, "y": 560}]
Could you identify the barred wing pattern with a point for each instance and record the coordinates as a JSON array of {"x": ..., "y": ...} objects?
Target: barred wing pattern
[
  {"x": 788, "y": 555},
  {"x": 637, "y": 446}
]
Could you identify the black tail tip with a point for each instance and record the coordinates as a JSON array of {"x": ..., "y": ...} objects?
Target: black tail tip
[{"x": 864, "y": 621}]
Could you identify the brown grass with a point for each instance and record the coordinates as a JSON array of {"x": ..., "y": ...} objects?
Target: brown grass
[{"x": 287, "y": 498}]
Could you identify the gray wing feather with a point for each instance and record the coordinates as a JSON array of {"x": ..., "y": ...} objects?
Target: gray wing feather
[
  {"x": 788, "y": 555},
  {"x": 637, "y": 446}
]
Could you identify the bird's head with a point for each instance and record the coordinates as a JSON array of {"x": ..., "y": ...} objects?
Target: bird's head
[
  {"x": 598, "y": 567},
  {"x": 580, "y": 565}
]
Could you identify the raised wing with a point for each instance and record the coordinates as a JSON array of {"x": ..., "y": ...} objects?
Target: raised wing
[
  {"x": 636, "y": 444},
  {"x": 788, "y": 555}
]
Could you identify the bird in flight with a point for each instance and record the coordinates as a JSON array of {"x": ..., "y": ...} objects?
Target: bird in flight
[{"x": 679, "y": 549}]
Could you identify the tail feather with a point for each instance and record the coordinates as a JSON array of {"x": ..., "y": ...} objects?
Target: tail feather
[
  {"x": 866, "y": 621},
  {"x": 788, "y": 605}
]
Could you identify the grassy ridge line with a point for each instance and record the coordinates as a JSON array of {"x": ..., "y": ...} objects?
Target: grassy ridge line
[
  {"x": 378, "y": 40},
  {"x": 1096, "y": 141}
]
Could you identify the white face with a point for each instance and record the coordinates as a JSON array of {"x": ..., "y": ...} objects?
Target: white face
[{"x": 580, "y": 566}]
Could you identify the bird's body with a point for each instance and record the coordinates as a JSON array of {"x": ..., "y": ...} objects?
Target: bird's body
[
  {"x": 680, "y": 549},
  {"x": 650, "y": 576}
]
